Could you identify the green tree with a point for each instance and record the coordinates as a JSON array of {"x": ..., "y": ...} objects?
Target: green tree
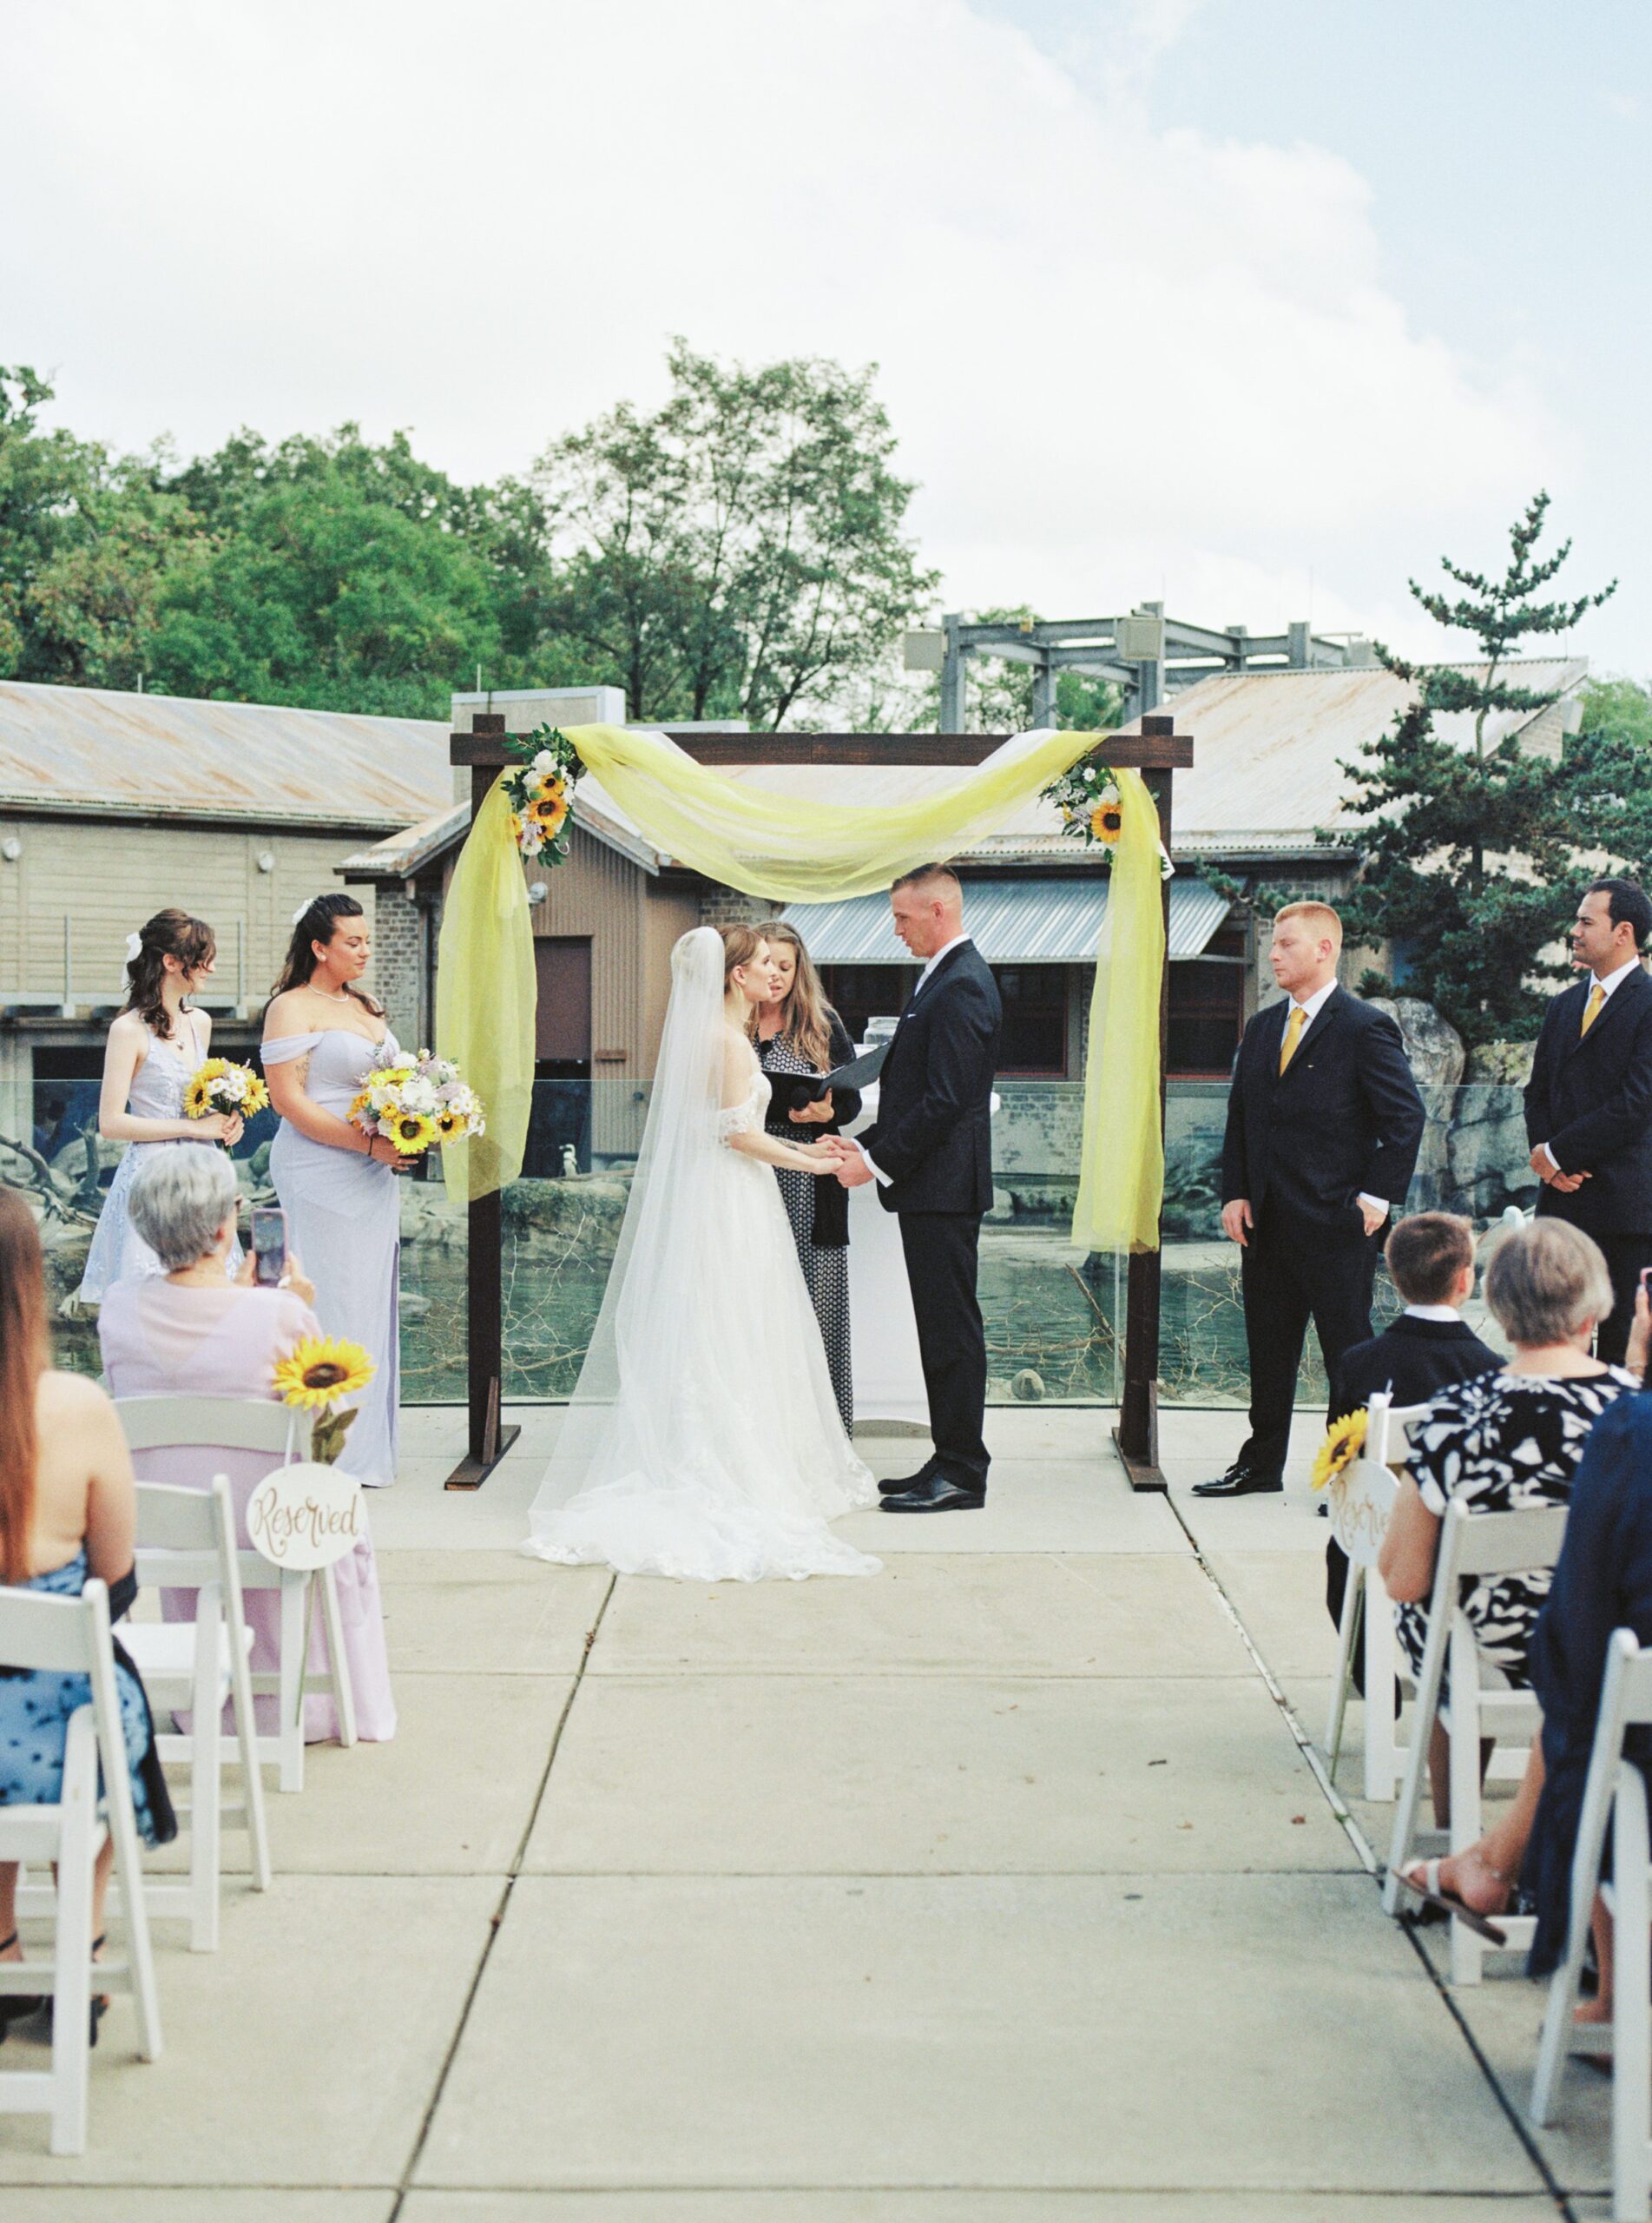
[
  {"x": 1474, "y": 846},
  {"x": 737, "y": 549},
  {"x": 337, "y": 575},
  {"x": 85, "y": 542}
]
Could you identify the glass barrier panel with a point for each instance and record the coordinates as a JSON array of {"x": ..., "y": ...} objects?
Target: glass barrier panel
[{"x": 1054, "y": 1317}]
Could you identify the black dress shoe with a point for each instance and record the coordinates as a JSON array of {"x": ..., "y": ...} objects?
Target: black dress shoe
[
  {"x": 939, "y": 1494},
  {"x": 1239, "y": 1481},
  {"x": 899, "y": 1484}
]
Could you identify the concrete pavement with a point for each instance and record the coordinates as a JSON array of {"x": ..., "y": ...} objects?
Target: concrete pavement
[{"x": 995, "y": 1890}]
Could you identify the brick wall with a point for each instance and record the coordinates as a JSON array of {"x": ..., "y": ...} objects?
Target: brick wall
[
  {"x": 727, "y": 907},
  {"x": 398, "y": 940}
]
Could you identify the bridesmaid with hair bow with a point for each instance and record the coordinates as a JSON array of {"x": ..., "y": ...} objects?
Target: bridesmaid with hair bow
[{"x": 155, "y": 1047}]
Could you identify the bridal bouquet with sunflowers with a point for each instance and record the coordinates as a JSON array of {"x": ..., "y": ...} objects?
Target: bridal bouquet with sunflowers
[
  {"x": 222, "y": 1085},
  {"x": 1088, "y": 798},
  {"x": 541, "y": 793},
  {"x": 419, "y": 1104}
]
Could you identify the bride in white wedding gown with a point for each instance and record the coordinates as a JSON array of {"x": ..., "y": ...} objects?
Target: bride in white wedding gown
[{"x": 702, "y": 1438}]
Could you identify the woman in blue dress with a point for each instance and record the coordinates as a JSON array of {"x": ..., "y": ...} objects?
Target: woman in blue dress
[
  {"x": 323, "y": 1035},
  {"x": 155, "y": 1047},
  {"x": 67, "y": 1512}
]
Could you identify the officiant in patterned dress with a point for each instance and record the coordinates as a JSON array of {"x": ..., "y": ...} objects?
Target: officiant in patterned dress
[{"x": 800, "y": 1038}]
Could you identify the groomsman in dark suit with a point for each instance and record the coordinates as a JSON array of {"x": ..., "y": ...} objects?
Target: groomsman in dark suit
[
  {"x": 1589, "y": 1102},
  {"x": 1324, "y": 1124}
]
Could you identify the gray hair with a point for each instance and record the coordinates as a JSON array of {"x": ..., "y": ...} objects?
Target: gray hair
[
  {"x": 1545, "y": 1280},
  {"x": 181, "y": 1199}
]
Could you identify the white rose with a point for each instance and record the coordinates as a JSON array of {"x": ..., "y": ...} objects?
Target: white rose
[{"x": 544, "y": 761}]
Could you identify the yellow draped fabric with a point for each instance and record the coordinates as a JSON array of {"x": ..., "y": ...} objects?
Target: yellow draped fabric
[
  {"x": 1120, "y": 1167},
  {"x": 486, "y": 990},
  {"x": 796, "y": 852},
  {"x": 786, "y": 850}
]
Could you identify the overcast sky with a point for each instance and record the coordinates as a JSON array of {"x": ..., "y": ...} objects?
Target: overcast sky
[{"x": 1256, "y": 305}]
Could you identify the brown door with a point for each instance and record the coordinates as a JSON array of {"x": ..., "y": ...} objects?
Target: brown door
[{"x": 563, "y": 1039}]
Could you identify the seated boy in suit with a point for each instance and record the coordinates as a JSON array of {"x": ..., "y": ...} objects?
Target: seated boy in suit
[{"x": 1431, "y": 1258}]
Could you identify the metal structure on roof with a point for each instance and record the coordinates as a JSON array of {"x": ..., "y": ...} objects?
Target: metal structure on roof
[
  {"x": 1031, "y": 921},
  {"x": 101, "y": 754},
  {"x": 1147, "y": 654}
]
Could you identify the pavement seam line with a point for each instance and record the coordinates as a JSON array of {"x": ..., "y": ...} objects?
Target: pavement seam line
[
  {"x": 496, "y": 1921},
  {"x": 1361, "y": 1844}
]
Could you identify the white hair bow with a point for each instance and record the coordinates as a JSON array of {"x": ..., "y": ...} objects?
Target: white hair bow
[
  {"x": 305, "y": 908},
  {"x": 134, "y": 949}
]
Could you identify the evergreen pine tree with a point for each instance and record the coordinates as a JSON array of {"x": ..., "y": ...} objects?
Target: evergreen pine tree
[{"x": 1473, "y": 854}]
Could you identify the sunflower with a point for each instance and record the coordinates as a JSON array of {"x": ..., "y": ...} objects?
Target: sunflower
[
  {"x": 320, "y": 1370},
  {"x": 358, "y": 1105},
  {"x": 1344, "y": 1441},
  {"x": 411, "y": 1132},
  {"x": 197, "y": 1099},
  {"x": 549, "y": 813},
  {"x": 1107, "y": 821},
  {"x": 552, "y": 788},
  {"x": 449, "y": 1125},
  {"x": 256, "y": 1097}
]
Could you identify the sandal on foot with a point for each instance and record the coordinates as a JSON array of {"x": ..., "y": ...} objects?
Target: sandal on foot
[
  {"x": 1422, "y": 1880},
  {"x": 16, "y": 2006}
]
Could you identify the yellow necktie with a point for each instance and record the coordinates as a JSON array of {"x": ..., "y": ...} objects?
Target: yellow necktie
[
  {"x": 1293, "y": 1026},
  {"x": 1592, "y": 1009}
]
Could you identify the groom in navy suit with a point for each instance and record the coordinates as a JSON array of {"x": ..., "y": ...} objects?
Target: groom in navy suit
[{"x": 929, "y": 1150}]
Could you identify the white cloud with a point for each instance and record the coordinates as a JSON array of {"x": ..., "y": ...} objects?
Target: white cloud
[{"x": 1116, "y": 357}]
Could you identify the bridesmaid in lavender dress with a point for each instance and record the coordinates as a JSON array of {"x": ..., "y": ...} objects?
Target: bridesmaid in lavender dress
[
  {"x": 322, "y": 1036},
  {"x": 155, "y": 1047},
  {"x": 196, "y": 1330}
]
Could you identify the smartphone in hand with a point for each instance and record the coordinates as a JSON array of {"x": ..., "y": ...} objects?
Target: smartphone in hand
[{"x": 269, "y": 1245}]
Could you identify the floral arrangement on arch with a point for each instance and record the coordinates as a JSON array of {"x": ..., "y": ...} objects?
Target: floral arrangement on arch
[
  {"x": 419, "y": 1104},
  {"x": 1088, "y": 798},
  {"x": 541, "y": 793}
]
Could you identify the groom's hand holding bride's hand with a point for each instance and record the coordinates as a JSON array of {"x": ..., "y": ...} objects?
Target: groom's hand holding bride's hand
[{"x": 853, "y": 1169}]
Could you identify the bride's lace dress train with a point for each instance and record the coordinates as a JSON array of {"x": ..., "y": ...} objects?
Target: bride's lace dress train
[{"x": 704, "y": 1440}]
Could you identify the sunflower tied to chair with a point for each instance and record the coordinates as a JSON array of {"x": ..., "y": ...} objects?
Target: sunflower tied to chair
[
  {"x": 316, "y": 1373},
  {"x": 1343, "y": 1442}
]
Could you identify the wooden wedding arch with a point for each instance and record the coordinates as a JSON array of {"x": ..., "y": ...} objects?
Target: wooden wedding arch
[{"x": 1158, "y": 751}]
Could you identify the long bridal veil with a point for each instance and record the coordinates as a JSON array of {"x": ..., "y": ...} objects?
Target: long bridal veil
[{"x": 701, "y": 1438}]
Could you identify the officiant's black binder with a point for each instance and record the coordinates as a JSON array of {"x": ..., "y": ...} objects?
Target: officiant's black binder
[{"x": 793, "y": 1090}]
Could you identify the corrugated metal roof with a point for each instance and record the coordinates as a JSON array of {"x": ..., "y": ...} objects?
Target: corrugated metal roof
[
  {"x": 109, "y": 754},
  {"x": 1031, "y": 921},
  {"x": 1269, "y": 747}
]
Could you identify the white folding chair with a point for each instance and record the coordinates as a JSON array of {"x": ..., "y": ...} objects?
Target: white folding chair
[
  {"x": 1369, "y": 1484},
  {"x": 1470, "y": 1544},
  {"x": 70, "y": 1636},
  {"x": 1614, "y": 1789},
  {"x": 186, "y": 1540},
  {"x": 259, "y": 1424}
]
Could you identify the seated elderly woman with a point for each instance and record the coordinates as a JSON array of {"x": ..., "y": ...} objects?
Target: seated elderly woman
[
  {"x": 1502, "y": 1443},
  {"x": 198, "y": 1332}
]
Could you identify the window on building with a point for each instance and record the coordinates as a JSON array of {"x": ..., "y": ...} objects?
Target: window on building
[
  {"x": 859, "y": 992},
  {"x": 1207, "y": 1014},
  {"x": 1034, "y": 1021}
]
